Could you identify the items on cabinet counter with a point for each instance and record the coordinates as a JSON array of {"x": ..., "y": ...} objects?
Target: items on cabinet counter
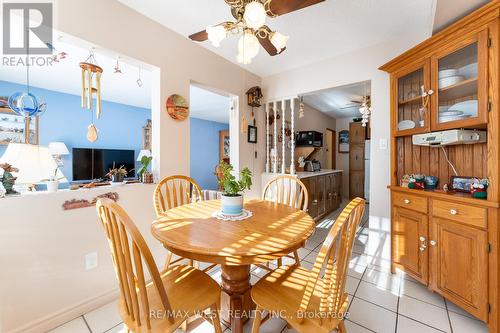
[{"x": 479, "y": 188}]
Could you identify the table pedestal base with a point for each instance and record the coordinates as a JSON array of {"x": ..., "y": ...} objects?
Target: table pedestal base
[{"x": 236, "y": 302}]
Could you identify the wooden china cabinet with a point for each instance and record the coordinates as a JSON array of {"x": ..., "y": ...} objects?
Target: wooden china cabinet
[{"x": 448, "y": 240}]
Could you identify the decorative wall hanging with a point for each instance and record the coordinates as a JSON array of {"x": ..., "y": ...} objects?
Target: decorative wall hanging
[
  {"x": 254, "y": 97},
  {"x": 83, "y": 203},
  {"x": 344, "y": 141},
  {"x": 146, "y": 135},
  {"x": 139, "y": 80},
  {"x": 117, "y": 69},
  {"x": 301, "y": 107},
  {"x": 252, "y": 134},
  {"x": 25, "y": 103},
  {"x": 91, "y": 73},
  {"x": 177, "y": 107}
]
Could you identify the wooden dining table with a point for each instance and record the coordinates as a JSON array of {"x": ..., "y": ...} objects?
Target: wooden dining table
[{"x": 273, "y": 231}]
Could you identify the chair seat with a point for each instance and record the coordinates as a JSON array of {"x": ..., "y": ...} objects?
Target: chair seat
[
  {"x": 281, "y": 292},
  {"x": 188, "y": 290}
]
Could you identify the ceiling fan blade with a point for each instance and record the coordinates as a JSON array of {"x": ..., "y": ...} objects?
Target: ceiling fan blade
[
  {"x": 266, "y": 42},
  {"x": 199, "y": 36},
  {"x": 280, "y": 7}
]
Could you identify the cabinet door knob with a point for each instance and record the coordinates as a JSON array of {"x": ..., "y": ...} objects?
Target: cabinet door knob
[
  {"x": 422, "y": 248},
  {"x": 433, "y": 243},
  {"x": 422, "y": 238},
  {"x": 453, "y": 212},
  {"x": 406, "y": 201}
]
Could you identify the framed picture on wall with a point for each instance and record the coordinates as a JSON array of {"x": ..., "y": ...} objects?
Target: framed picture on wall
[
  {"x": 252, "y": 134},
  {"x": 224, "y": 146},
  {"x": 344, "y": 141},
  {"x": 15, "y": 128}
]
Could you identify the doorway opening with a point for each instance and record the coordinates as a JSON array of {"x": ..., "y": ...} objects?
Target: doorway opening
[
  {"x": 346, "y": 145},
  {"x": 211, "y": 112}
]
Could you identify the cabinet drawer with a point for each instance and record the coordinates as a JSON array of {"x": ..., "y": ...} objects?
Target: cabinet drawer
[
  {"x": 410, "y": 201},
  {"x": 466, "y": 214}
]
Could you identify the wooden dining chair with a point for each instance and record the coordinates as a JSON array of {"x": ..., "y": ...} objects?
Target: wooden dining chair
[
  {"x": 171, "y": 192},
  {"x": 170, "y": 297},
  {"x": 309, "y": 300},
  {"x": 288, "y": 190}
]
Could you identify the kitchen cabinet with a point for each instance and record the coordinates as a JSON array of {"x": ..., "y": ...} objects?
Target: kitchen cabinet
[
  {"x": 324, "y": 192},
  {"x": 409, "y": 242},
  {"x": 459, "y": 258},
  {"x": 449, "y": 241},
  {"x": 357, "y": 135}
]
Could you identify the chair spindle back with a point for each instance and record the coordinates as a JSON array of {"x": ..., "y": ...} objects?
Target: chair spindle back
[
  {"x": 129, "y": 250},
  {"x": 333, "y": 258},
  {"x": 288, "y": 190},
  {"x": 174, "y": 191}
]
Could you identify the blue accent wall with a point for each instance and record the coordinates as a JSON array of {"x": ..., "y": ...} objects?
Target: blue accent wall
[
  {"x": 204, "y": 151},
  {"x": 120, "y": 125}
]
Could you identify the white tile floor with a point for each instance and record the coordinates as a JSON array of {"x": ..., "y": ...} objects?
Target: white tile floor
[{"x": 381, "y": 302}]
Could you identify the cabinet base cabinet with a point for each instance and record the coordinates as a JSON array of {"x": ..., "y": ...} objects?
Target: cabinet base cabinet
[
  {"x": 324, "y": 194},
  {"x": 409, "y": 232},
  {"x": 459, "y": 265}
]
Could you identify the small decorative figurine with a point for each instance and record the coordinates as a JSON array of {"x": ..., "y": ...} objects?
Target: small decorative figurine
[
  {"x": 8, "y": 180},
  {"x": 479, "y": 188},
  {"x": 417, "y": 182}
]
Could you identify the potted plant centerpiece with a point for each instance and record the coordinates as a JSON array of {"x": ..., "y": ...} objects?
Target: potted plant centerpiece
[
  {"x": 117, "y": 175},
  {"x": 52, "y": 182},
  {"x": 232, "y": 199}
]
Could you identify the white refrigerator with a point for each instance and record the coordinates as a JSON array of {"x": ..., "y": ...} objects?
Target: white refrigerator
[{"x": 367, "y": 170}]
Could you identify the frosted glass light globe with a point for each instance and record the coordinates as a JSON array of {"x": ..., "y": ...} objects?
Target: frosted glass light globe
[
  {"x": 216, "y": 34},
  {"x": 279, "y": 41},
  {"x": 248, "y": 47},
  {"x": 255, "y": 15}
]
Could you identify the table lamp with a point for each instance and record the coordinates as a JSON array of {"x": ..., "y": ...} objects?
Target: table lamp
[
  {"x": 34, "y": 162},
  {"x": 58, "y": 149}
]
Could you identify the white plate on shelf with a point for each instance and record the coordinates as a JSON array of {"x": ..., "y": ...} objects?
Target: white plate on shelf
[
  {"x": 445, "y": 119},
  {"x": 406, "y": 124},
  {"x": 449, "y": 81},
  {"x": 469, "y": 71},
  {"x": 468, "y": 107},
  {"x": 450, "y": 113},
  {"x": 447, "y": 73}
]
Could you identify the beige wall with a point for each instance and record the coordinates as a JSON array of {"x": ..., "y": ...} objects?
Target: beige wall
[
  {"x": 354, "y": 67},
  {"x": 43, "y": 281}
]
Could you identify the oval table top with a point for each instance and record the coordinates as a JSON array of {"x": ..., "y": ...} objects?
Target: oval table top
[{"x": 274, "y": 230}]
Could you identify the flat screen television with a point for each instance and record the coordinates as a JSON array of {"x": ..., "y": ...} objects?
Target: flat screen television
[{"x": 91, "y": 163}]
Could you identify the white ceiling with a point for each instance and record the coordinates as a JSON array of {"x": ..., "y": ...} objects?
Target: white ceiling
[
  {"x": 322, "y": 31},
  {"x": 208, "y": 105},
  {"x": 448, "y": 11},
  {"x": 65, "y": 76},
  {"x": 337, "y": 102}
]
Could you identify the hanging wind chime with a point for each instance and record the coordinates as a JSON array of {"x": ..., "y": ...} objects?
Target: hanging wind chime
[
  {"x": 91, "y": 73},
  {"x": 366, "y": 108}
]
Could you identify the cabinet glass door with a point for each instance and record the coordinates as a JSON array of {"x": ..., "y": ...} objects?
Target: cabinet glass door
[
  {"x": 412, "y": 117},
  {"x": 461, "y": 79}
]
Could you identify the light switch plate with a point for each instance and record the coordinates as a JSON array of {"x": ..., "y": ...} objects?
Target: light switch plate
[
  {"x": 91, "y": 260},
  {"x": 382, "y": 144}
]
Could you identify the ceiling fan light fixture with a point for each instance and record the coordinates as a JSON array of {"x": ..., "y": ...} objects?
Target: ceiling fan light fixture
[
  {"x": 248, "y": 47},
  {"x": 279, "y": 40},
  {"x": 255, "y": 15},
  {"x": 216, "y": 34}
]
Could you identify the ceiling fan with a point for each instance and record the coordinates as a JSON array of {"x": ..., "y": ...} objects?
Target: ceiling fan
[
  {"x": 250, "y": 16},
  {"x": 365, "y": 100}
]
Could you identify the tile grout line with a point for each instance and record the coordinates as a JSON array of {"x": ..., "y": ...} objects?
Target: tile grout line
[
  {"x": 368, "y": 329},
  {"x": 397, "y": 307},
  {"x": 448, "y": 315},
  {"x": 421, "y": 322},
  {"x": 87, "y": 324}
]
